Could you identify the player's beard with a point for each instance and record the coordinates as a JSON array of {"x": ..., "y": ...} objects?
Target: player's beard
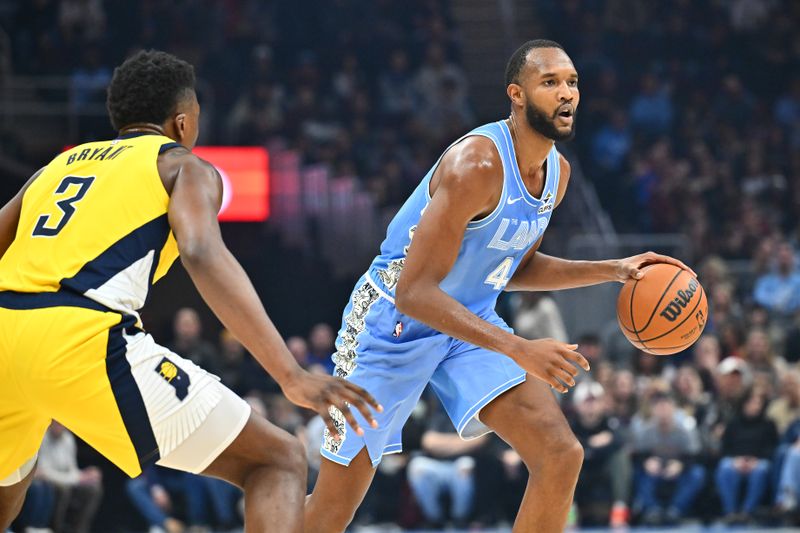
[{"x": 544, "y": 124}]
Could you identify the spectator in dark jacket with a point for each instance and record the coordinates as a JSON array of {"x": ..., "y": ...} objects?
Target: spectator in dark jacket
[
  {"x": 606, "y": 473},
  {"x": 747, "y": 443}
]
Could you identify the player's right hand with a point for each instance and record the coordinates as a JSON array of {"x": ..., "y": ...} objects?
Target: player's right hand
[
  {"x": 550, "y": 361},
  {"x": 319, "y": 393}
]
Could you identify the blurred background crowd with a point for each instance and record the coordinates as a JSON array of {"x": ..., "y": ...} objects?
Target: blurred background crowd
[{"x": 689, "y": 127}]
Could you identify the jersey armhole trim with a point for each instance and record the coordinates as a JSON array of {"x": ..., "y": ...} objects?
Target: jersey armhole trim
[
  {"x": 162, "y": 188},
  {"x": 169, "y": 146},
  {"x": 556, "y": 174}
]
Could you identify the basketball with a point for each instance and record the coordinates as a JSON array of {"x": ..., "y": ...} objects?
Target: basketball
[{"x": 664, "y": 312}]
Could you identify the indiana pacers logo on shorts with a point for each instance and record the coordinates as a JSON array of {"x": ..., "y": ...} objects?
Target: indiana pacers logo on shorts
[{"x": 174, "y": 376}]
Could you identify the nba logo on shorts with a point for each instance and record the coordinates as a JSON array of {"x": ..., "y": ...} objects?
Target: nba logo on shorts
[
  {"x": 398, "y": 329},
  {"x": 173, "y": 375}
]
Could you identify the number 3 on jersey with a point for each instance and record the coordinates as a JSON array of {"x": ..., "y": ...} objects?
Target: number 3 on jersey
[
  {"x": 500, "y": 275},
  {"x": 66, "y": 205}
]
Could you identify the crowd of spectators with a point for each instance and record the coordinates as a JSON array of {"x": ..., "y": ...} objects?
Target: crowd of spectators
[
  {"x": 690, "y": 116},
  {"x": 689, "y": 124},
  {"x": 372, "y": 89}
]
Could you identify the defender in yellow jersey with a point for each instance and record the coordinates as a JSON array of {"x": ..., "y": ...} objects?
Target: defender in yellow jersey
[{"x": 80, "y": 247}]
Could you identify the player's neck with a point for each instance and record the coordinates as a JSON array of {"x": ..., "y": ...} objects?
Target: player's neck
[
  {"x": 530, "y": 146},
  {"x": 144, "y": 127}
]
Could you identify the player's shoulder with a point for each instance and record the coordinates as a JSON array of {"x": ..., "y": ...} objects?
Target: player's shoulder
[
  {"x": 180, "y": 161},
  {"x": 473, "y": 163},
  {"x": 474, "y": 152},
  {"x": 180, "y": 155}
]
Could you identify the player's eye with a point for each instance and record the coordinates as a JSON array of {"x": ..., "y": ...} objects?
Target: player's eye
[
  {"x": 572, "y": 83},
  {"x": 549, "y": 83}
]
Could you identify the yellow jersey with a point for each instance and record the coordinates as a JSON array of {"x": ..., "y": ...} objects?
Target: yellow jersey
[
  {"x": 94, "y": 223},
  {"x": 93, "y": 237}
]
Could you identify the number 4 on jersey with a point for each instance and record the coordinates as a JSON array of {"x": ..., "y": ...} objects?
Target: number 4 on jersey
[
  {"x": 500, "y": 275},
  {"x": 66, "y": 205}
]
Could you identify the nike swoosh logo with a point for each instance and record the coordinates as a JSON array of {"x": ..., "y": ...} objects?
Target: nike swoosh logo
[{"x": 512, "y": 201}]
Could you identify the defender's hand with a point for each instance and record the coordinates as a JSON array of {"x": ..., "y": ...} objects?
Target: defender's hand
[
  {"x": 550, "y": 361},
  {"x": 631, "y": 267},
  {"x": 320, "y": 393}
]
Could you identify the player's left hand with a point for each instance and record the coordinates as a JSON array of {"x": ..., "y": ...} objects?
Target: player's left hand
[
  {"x": 631, "y": 267},
  {"x": 320, "y": 392}
]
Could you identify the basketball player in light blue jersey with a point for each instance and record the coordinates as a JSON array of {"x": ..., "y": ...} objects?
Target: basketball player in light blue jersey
[{"x": 424, "y": 311}]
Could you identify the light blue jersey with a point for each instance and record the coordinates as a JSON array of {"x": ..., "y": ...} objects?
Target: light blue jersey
[
  {"x": 493, "y": 246},
  {"x": 395, "y": 357}
]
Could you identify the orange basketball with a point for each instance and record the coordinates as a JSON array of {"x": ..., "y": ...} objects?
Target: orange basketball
[{"x": 664, "y": 312}]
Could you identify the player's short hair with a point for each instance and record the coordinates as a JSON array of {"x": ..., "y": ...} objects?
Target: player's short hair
[
  {"x": 147, "y": 88},
  {"x": 517, "y": 61}
]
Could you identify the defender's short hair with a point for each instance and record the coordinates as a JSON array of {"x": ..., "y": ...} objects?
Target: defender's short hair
[
  {"x": 147, "y": 88},
  {"x": 517, "y": 61}
]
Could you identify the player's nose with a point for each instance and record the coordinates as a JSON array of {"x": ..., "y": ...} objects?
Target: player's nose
[{"x": 564, "y": 93}]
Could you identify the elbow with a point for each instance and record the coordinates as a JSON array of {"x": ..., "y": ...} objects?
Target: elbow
[
  {"x": 196, "y": 250},
  {"x": 402, "y": 299},
  {"x": 193, "y": 254},
  {"x": 405, "y": 297},
  {"x": 412, "y": 295}
]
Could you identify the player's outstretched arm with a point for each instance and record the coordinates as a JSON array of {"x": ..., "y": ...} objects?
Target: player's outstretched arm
[
  {"x": 9, "y": 216},
  {"x": 541, "y": 272},
  {"x": 468, "y": 184},
  {"x": 194, "y": 203}
]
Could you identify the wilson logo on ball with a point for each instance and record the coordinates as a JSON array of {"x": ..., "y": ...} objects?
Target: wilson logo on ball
[{"x": 673, "y": 309}]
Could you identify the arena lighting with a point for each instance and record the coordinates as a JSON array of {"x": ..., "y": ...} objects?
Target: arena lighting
[{"x": 245, "y": 179}]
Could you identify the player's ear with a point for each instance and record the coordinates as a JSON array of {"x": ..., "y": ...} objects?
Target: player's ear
[
  {"x": 516, "y": 94},
  {"x": 180, "y": 126}
]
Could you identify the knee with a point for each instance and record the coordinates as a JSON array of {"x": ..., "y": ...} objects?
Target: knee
[
  {"x": 557, "y": 463},
  {"x": 556, "y": 449},
  {"x": 697, "y": 474},
  {"x": 415, "y": 470},
  {"x": 571, "y": 452},
  {"x": 290, "y": 455},
  {"x": 418, "y": 468},
  {"x": 464, "y": 467},
  {"x": 285, "y": 455},
  {"x": 725, "y": 466}
]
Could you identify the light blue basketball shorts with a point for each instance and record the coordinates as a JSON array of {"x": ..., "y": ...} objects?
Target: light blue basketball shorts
[{"x": 394, "y": 357}]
